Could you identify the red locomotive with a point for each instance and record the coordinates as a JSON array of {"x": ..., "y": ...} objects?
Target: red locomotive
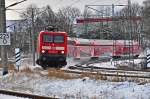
[{"x": 52, "y": 49}]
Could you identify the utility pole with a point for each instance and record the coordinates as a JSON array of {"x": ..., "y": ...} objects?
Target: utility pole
[
  {"x": 129, "y": 27},
  {"x": 3, "y": 30},
  {"x": 32, "y": 34},
  {"x": 85, "y": 25},
  {"x": 113, "y": 33}
]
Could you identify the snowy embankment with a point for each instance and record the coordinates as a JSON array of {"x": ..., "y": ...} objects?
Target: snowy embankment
[
  {"x": 128, "y": 63},
  {"x": 84, "y": 88}
]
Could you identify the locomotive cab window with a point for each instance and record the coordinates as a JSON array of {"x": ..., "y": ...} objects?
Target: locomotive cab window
[
  {"x": 53, "y": 38},
  {"x": 59, "y": 39},
  {"x": 47, "y": 38}
]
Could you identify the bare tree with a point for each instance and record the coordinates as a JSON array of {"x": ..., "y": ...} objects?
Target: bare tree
[
  {"x": 146, "y": 17},
  {"x": 27, "y": 15},
  {"x": 130, "y": 21},
  {"x": 65, "y": 18},
  {"x": 48, "y": 16}
]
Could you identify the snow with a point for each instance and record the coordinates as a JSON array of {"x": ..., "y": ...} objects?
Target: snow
[
  {"x": 111, "y": 64},
  {"x": 105, "y": 65},
  {"x": 81, "y": 88},
  {"x": 84, "y": 88}
]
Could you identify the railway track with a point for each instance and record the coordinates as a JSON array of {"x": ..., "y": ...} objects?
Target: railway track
[
  {"x": 24, "y": 95},
  {"x": 109, "y": 73},
  {"x": 92, "y": 68},
  {"x": 87, "y": 67}
]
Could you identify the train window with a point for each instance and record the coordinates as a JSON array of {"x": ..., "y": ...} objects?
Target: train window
[
  {"x": 47, "y": 38},
  {"x": 59, "y": 39}
]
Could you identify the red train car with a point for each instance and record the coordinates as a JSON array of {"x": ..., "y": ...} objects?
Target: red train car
[
  {"x": 79, "y": 48},
  {"x": 52, "y": 49}
]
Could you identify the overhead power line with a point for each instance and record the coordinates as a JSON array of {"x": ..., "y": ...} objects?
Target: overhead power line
[
  {"x": 26, "y": 16},
  {"x": 15, "y": 4}
]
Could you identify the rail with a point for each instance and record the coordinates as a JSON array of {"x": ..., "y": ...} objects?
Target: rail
[{"x": 24, "y": 95}]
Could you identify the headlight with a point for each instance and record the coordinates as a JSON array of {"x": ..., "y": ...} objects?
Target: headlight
[
  {"x": 62, "y": 52},
  {"x": 43, "y": 51}
]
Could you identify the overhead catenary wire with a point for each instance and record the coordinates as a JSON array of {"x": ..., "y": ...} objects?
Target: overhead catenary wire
[
  {"x": 26, "y": 16},
  {"x": 58, "y": 4}
]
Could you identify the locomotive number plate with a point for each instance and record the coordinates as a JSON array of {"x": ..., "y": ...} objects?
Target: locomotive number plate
[{"x": 53, "y": 52}]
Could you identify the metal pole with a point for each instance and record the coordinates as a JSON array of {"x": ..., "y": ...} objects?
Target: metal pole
[
  {"x": 102, "y": 25},
  {"x": 15, "y": 37},
  {"x": 3, "y": 30},
  {"x": 33, "y": 45},
  {"x": 85, "y": 24},
  {"x": 113, "y": 32},
  {"x": 130, "y": 33}
]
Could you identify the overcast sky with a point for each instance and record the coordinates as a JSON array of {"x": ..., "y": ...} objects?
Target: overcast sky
[{"x": 56, "y": 4}]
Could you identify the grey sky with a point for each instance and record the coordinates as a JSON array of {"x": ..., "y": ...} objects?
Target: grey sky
[{"x": 56, "y": 4}]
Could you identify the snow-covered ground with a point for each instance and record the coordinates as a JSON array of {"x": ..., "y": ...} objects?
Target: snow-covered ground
[
  {"x": 111, "y": 64},
  {"x": 80, "y": 88}
]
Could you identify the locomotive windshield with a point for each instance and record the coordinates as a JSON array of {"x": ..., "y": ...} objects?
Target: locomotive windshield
[
  {"x": 58, "y": 39},
  {"x": 47, "y": 38},
  {"x": 53, "y": 38}
]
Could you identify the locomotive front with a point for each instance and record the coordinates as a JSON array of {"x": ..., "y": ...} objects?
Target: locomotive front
[{"x": 52, "y": 49}]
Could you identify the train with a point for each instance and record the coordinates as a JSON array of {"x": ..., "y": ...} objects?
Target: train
[
  {"x": 51, "y": 49},
  {"x": 95, "y": 48}
]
